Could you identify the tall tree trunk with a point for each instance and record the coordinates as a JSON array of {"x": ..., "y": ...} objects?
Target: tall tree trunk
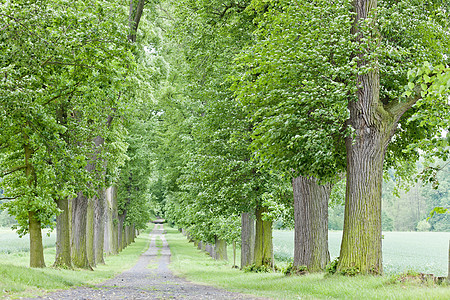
[
  {"x": 63, "y": 251},
  {"x": 90, "y": 233},
  {"x": 78, "y": 238},
  {"x": 99, "y": 226},
  {"x": 108, "y": 227},
  {"x": 115, "y": 221},
  {"x": 34, "y": 224},
  {"x": 263, "y": 239},
  {"x": 247, "y": 240},
  {"x": 311, "y": 223},
  {"x": 121, "y": 235},
  {"x": 36, "y": 246},
  {"x": 220, "y": 249}
]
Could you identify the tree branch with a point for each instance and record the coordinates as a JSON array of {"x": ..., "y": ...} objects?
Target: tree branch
[
  {"x": 10, "y": 171},
  {"x": 397, "y": 108}
]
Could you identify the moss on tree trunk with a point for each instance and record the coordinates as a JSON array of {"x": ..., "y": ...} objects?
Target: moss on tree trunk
[
  {"x": 36, "y": 247},
  {"x": 99, "y": 227},
  {"x": 78, "y": 234},
  {"x": 263, "y": 239},
  {"x": 90, "y": 233},
  {"x": 63, "y": 251},
  {"x": 220, "y": 249}
]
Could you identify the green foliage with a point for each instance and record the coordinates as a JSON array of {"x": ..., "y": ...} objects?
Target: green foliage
[
  {"x": 331, "y": 267},
  {"x": 294, "y": 270},
  {"x": 257, "y": 269},
  {"x": 64, "y": 67}
]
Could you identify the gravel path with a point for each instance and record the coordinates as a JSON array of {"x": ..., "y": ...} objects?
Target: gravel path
[{"x": 150, "y": 278}]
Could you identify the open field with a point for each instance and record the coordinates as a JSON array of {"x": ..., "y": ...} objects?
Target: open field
[
  {"x": 11, "y": 243},
  {"x": 425, "y": 252},
  {"x": 196, "y": 266}
]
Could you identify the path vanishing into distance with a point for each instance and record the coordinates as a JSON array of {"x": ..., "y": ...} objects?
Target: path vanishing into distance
[{"x": 150, "y": 278}]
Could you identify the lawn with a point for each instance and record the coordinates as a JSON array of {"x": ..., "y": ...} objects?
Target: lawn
[
  {"x": 195, "y": 265},
  {"x": 425, "y": 252}
]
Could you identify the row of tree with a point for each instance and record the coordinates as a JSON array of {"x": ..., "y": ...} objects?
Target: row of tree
[
  {"x": 70, "y": 123},
  {"x": 268, "y": 104}
]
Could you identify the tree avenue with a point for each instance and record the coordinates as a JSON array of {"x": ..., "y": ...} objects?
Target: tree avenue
[{"x": 224, "y": 117}]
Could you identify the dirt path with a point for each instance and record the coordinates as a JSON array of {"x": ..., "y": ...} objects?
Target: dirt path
[{"x": 150, "y": 278}]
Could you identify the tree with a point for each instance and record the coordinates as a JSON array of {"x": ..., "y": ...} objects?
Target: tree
[{"x": 375, "y": 116}]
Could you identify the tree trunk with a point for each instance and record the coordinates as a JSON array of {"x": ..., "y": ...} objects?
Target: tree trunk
[
  {"x": 263, "y": 240},
  {"x": 247, "y": 240},
  {"x": 234, "y": 254},
  {"x": 120, "y": 235},
  {"x": 115, "y": 221},
  {"x": 63, "y": 252},
  {"x": 361, "y": 242},
  {"x": 108, "y": 227},
  {"x": 78, "y": 238},
  {"x": 99, "y": 227},
  {"x": 90, "y": 233},
  {"x": 36, "y": 246},
  {"x": 220, "y": 249},
  {"x": 311, "y": 223},
  {"x": 34, "y": 224}
]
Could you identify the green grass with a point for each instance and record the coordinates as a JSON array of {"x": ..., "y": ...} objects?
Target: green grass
[
  {"x": 18, "y": 280},
  {"x": 425, "y": 252},
  {"x": 196, "y": 266}
]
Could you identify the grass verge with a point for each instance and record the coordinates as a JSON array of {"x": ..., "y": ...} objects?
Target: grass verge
[
  {"x": 18, "y": 280},
  {"x": 194, "y": 265}
]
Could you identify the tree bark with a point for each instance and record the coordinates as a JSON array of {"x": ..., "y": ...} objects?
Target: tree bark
[
  {"x": 115, "y": 221},
  {"x": 247, "y": 240},
  {"x": 220, "y": 249},
  {"x": 263, "y": 240},
  {"x": 90, "y": 232},
  {"x": 36, "y": 246},
  {"x": 78, "y": 238},
  {"x": 99, "y": 227},
  {"x": 108, "y": 227},
  {"x": 311, "y": 223},
  {"x": 120, "y": 235},
  {"x": 63, "y": 251},
  {"x": 134, "y": 17}
]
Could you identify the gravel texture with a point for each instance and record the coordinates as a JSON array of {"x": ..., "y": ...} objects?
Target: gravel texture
[{"x": 150, "y": 278}]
